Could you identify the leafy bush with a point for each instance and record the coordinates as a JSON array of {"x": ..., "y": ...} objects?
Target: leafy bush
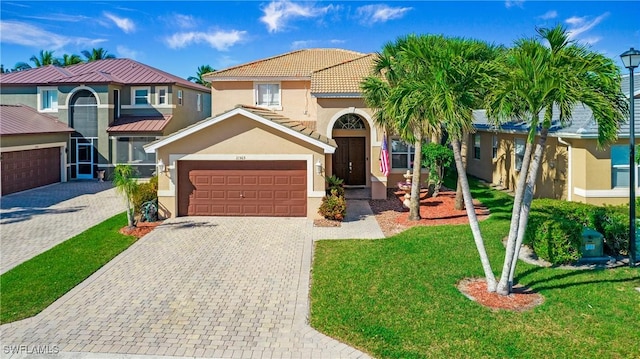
[
  {"x": 334, "y": 183},
  {"x": 145, "y": 192},
  {"x": 611, "y": 221},
  {"x": 333, "y": 206},
  {"x": 557, "y": 241},
  {"x": 437, "y": 158}
]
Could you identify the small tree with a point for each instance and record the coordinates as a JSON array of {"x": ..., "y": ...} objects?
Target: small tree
[
  {"x": 125, "y": 182},
  {"x": 437, "y": 158}
]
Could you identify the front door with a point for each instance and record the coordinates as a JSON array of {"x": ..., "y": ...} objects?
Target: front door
[
  {"x": 349, "y": 160},
  {"x": 84, "y": 154}
]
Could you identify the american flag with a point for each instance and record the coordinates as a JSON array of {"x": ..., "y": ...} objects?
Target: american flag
[{"x": 384, "y": 157}]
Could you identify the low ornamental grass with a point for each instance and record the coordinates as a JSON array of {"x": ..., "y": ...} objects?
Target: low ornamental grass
[
  {"x": 33, "y": 285},
  {"x": 397, "y": 298}
]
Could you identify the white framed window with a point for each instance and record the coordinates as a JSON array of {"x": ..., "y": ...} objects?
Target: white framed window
[
  {"x": 402, "y": 155},
  {"x": 180, "y": 97},
  {"x": 140, "y": 96},
  {"x": 494, "y": 147},
  {"x": 130, "y": 150},
  {"x": 161, "y": 96},
  {"x": 199, "y": 103},
  {"x": 476, "y": 146},
  {"x": 519, "y": 152},
  {"x": 620, "y": 167},
  {"x": 267, "y": 95},
  {"x": 48, "y": 99}
]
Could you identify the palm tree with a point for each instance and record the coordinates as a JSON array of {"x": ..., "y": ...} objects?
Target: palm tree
[
  {"x": 19, "y": 66},
  {"x": 68, "y": 60},
  {"x": 539, "y": 80},
  {"x": 202, "y": 70},
  {"x": 126, "y": 184},
  {"x": 97, "y": 54},
  {"x": 44, "y": 58}
]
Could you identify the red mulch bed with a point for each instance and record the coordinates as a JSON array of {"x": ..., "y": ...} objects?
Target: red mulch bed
[
  {"x": 521, "y": 299},
  {"x": 140, "y": 230}
]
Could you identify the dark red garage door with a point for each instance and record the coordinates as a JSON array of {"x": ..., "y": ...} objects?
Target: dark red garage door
[
  {"x": 22, "y": 170},
  {"x": 242, "y": 188}
]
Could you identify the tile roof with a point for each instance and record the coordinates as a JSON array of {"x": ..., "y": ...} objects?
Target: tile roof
[
  {"x": 24, "y": 120},
  {"x": 122, "y": 71},
  {"x": 342, "y": 78},
  {"x": 140, "y": 124},
  {"x": 300, "y": 63}
]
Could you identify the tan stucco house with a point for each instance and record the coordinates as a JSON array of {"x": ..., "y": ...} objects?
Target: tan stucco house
[
  {"x": 573, "y": 167},
  {"x": 282, "y": 124}
]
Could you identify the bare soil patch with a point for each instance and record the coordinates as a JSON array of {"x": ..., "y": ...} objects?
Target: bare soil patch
[
  {"x": 140, "y": 230},
  {"x": 323, "y": 222},
  {"x": 521, "y": 299}
]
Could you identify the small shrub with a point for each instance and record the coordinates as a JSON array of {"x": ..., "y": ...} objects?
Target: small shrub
[
  {"x": 145, "y": 192},
  {"x": 334, "y": 183},
  {"x": 333, "y": 206},
  {"x": 558, "y": 241},
  {"x": 437, "y": 158}
]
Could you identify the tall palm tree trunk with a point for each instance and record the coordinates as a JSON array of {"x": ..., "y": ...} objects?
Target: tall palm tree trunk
[
  {"x": 473, "y": 219},
  {"x": 414, "y": 207},
  {"x": 459, "y": 202},
  {"x": 504, "y": 286},
  {"x": 528, "y": 198}
]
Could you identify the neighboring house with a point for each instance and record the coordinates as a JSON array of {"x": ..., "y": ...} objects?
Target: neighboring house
[
  {"x": 573, "y": 168},
  {"x": 114, "y": 106},
  {"x": 33, "y": 149},
  {"x": 282, "y": 124}
]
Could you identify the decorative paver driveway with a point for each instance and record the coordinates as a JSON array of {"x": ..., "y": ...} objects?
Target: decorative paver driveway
[
  {"x": 36, "y": 220},
  {"x": 197, "y": 287}
]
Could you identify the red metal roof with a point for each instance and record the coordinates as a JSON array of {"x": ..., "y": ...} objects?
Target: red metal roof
[
  {"x": 24, "y": 120},
  {"x": 139, "y": 124},
  {"x": 123, "y": 71}
]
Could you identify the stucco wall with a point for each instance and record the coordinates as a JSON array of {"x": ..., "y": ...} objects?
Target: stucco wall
[
  {"x": 33, "y": 140},
  {"x": 18, "y": 95}
]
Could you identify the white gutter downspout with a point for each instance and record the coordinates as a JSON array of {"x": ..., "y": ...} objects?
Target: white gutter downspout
[{"x": 569, "y": 171}]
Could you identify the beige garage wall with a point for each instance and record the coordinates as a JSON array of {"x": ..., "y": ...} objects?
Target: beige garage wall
[{"x": 240, "y": 138}]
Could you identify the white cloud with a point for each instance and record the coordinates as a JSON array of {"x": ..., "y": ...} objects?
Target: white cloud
[
  {"x": 220, "y": 40},
  {"x": 125, "y": 24},
  {"x": 124, "y": 51},
  {"x": 551, "y": 14},
  {"x": 20, "y": 33},
  {"x": 512, "y": 3},
  {"x": 278, "y": 13},
  {"x": 591, "y": 40},
  {"x": 370, "y": 14},
  {"x": 60, "y": 17},
  {"x": 580, "y": 25},
  {"x": 185, "y": 21}
]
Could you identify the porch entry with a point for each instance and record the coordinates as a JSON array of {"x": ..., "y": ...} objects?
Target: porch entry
[
  {"x": 83, "y": 157},
  {"x": 83, "y": 117},
  {"x": 349, "y": 160}
]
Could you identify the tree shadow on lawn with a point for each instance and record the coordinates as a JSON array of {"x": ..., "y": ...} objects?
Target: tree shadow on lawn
[{"x": 556, "y": 281}]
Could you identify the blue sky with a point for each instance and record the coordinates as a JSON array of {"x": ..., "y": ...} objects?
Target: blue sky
[{"x": 178, "y": 36}]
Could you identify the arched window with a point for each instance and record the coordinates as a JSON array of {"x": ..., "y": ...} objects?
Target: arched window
[
  {"x": 84, "y": 113},
  {"x": 349, "y": 122}
]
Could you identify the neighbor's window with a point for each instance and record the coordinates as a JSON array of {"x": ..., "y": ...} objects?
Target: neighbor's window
[
  {"x": 161, "y": 93},
  {"x": 620, "y": 166},
  {"x": 476, "y": 146},
  {"x": 199, "y": 102},
  {"x": 494, "y": 147},
  {"x": 140, "y": 96},
  {"x": 519, "y": 152},
  {"x": 180, "y": 97},
  {"x": 130, "y": 150},
  {"x": 267, "y": 95},
  {"x": 49, "y": 99}
]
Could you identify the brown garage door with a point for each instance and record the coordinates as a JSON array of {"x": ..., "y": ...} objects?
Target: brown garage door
[
  {"x": 242, "y": 188},
  {"x": 22, "y": 170}
]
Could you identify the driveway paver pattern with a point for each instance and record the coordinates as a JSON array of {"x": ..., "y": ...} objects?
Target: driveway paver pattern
[
  {"x": 36, "y": 220},
  {"x": 199, "y": 287}
]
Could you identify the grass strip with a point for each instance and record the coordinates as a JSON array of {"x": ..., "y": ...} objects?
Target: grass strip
[
  {"x": 397, "y": 298},
  {"x": 33, "y": 285}
]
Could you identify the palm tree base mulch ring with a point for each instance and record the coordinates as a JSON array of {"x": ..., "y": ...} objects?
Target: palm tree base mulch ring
[
  {"x": 140, "y": 230},
  {"x": 521, "y": 299}
]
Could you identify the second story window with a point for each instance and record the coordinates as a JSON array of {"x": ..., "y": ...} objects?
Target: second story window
[
  {"x": 161, "y": 93},
  {"x": 140, "y": 96},
  {"x": 180, "y": 97},
  {"x": 48, "y": 99},
  {"x": 267, "y": 95}
]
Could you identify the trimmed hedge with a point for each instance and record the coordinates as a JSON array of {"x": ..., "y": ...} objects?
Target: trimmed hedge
[
  {"x": 555, "y": 228},
  {"x": 147, "y": 191}
]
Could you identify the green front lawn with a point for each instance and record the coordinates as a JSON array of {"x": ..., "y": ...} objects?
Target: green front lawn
[
  {"x": 33, "y": 285},
  {"x": 397, "y": 298}
]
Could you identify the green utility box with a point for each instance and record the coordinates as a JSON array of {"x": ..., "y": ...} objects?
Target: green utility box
[{"x": 592, "y": 242}]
